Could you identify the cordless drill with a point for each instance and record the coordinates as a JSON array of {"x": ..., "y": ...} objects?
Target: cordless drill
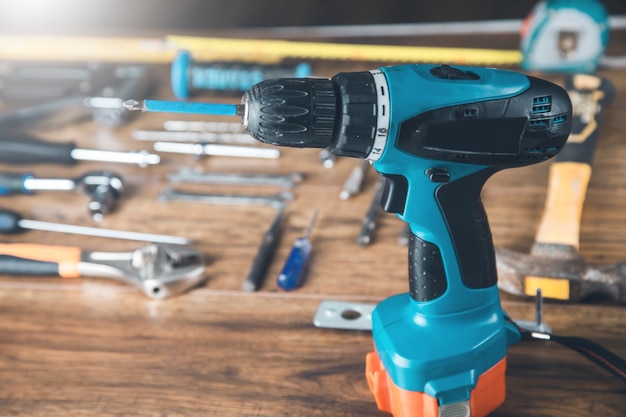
[{"x": 436, "y": 133}]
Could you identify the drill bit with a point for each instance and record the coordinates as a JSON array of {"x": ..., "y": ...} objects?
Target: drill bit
[
  {"x": 354, "y": 182},
  {"x": 163, "y": 106},
  {"x": 368, "y": 226}
]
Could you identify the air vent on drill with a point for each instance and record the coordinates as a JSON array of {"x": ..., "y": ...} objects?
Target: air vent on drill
[
  {"x": 539, "y": 122},
  {"x": 542, "y": 104},
  {"x": 559, "y": 119}
]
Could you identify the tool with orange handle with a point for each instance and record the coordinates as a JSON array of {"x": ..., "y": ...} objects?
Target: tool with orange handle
[
  {"x": 554, "y": 264},
  {"x": 160, "y": 270}
]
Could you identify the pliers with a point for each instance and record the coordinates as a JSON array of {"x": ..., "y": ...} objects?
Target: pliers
[{"x": 160, "y": 270}]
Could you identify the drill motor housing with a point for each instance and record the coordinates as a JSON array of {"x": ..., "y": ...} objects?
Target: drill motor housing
[{"x": 436, "y": 133}]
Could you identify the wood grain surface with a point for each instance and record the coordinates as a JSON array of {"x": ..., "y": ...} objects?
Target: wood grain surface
[{"x": 94, "y": 346}]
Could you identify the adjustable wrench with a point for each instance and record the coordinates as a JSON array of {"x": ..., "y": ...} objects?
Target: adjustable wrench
[{"x": 159, "y": 270}]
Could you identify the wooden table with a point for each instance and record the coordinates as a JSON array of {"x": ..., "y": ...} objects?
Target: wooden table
[{"x": 97, "y": 347}]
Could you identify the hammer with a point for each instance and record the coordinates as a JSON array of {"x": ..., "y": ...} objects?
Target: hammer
[
  {"x": 103, "y": 187},
  {"x": 554, "y": 264}
]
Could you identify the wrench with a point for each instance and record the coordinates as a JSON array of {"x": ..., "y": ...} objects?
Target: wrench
[
  {"x": 160, "y": 270},
  {"x": 274, "y": 200},
  {"x": 272, "y": 180}
]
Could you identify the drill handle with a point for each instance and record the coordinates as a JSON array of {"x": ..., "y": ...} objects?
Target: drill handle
[{"x": 465, "y": 249}]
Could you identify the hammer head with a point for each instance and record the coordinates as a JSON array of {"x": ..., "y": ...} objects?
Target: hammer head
[
  {"x": 105, "y": 188},
  {"x": 560, "y": 272}
]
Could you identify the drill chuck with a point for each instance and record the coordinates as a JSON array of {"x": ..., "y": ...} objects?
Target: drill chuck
[
  {"x": 291, "y": 112},
  {"x": 339, "y": 114}
]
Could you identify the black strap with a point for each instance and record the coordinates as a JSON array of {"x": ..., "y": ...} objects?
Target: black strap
[{"x": 591, "y": 350}]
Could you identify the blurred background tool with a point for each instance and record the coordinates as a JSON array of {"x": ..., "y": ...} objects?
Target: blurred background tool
[
  {"x": 187, "y": 174},
  {"x": 538, "y": 325},
  {"x": 233, "y": 43},
  {"x": 23, "y": 149},
  {"x": 55, "y": 94},
  {"x": 197, "y": 137},
  {"x": 558, "y": 35},
  {"x": 354, "y": 182},
  {"x": 370, "y": 221},
  {"x": 295, "y": 269},
  {"x": 202, "y": 126},
  {"x": 24, "y": 82},
  {"x": 211, "y": 149},
  {"x": 11, "y": 222},
  {"x": 213, "y": 49},
  {"x": 327, "y": 158},
  {"x": 103, "y": 187},
  {"x": 554, "y": 264},
  {"x": 265, "y": 254},
  {"x": 42, "y": 48},
  {"x": 129, "y": 80},
  {"x": 565, "y": 36},
  {"x": 274, "y": 200},
  {"x": 52, "y": 113},
  {"x": 272, "y": 51},
  {"x": 188, "y": 78},
  {"x": 160, "y": 271}
]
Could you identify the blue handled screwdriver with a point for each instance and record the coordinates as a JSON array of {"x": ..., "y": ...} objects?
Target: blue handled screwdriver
[{"x": 294, "y": 270}]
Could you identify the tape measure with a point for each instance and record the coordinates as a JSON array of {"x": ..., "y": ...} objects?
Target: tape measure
[
  {"x": 155, "y": 50},
  {"x": 82, "y": 49},
  {"x": 273, "y": 51},
  {"x": 565, "y": 36}
]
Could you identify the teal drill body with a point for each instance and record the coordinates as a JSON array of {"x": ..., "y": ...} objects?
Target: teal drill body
[{"x": 436, "y": 133}]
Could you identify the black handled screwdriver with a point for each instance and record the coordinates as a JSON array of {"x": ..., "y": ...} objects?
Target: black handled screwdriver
[
  {"x": 12, "y": 222},
  {"x": 29, "y": 150},
  {"x": 265, "y": 255}
]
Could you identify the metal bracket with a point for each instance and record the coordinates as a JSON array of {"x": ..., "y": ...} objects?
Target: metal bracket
[{"x": 344, "y": 315}]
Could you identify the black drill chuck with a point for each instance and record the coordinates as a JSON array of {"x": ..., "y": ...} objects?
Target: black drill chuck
[
  {"x": 291, "y": 112},
  {"x": 339, "y": 114}
]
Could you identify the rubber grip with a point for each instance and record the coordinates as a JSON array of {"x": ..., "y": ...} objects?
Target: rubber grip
[
  {"x": 11, "y": 265},
  {"x": 28, "y": 150},
  {"x": 34, "y": 259},
  {"x": 13, "y": 183},
  {"x": 427, "y": 275},
  {"x": 10, "y": 221}
]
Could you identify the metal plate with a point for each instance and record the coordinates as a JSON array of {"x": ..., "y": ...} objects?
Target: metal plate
[{"x": 344, "y": 315}]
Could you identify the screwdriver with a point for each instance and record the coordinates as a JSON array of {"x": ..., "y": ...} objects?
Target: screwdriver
[
  {"x": 265, "y": 254},
  {"x": 294, "y": 270},
  {"x": 29, "y": 150},
  {"x": 11, "y": 222}
]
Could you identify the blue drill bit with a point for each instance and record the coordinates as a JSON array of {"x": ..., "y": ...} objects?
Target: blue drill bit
[{"x": 163, "y": 106}]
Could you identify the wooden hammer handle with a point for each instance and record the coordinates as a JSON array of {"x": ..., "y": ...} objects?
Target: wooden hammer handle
[{"x": 567, "y": 187}]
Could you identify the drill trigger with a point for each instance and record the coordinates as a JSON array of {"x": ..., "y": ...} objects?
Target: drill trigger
[{"x": 395, "y": 190}]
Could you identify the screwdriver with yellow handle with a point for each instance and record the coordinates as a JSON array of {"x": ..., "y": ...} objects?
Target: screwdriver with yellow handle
[{"x": 159, "y": 270}]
